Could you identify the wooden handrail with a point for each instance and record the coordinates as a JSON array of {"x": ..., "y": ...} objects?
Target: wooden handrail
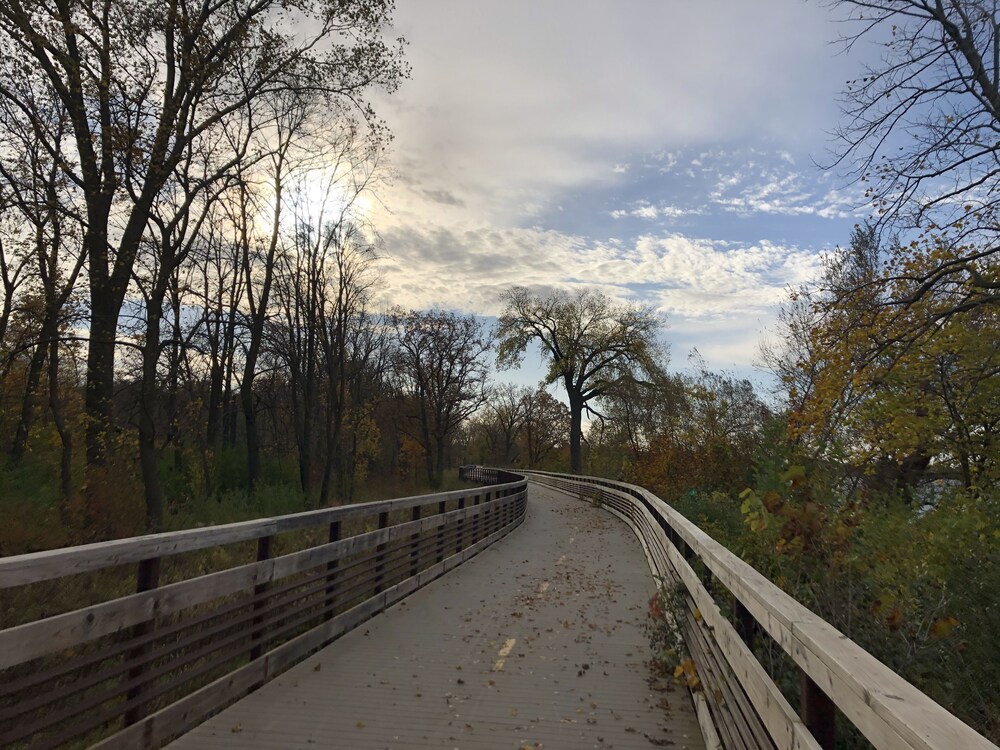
[
  {"x": 18, "y": 570},
  {"x": 889, "y": 711},
  {"x": 134, "y": 671}
]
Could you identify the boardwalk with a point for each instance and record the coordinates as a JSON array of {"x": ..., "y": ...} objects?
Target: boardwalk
[{"x": 535, "y": 642}]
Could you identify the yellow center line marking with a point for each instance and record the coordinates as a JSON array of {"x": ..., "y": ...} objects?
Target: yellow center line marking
[{"x": 504, "y": 653}]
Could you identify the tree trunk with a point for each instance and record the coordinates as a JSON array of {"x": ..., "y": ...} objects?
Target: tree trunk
[
  {"x": 332, "y": 427},
  {"x": 575, "y": 434},
  {"x": 439, "y": 463},
  {"x": 29, "y": 403},
  {"x": 148, "y": 454},
  {"x": 100, "y": 380},
  {"x": 214, "y": 403},
  {"x": 252, "y": 438},
  {"x": 65, "y": 436}
]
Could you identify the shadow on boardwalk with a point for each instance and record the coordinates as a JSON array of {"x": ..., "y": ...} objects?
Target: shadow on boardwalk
[{"x": 535, "y": 642}]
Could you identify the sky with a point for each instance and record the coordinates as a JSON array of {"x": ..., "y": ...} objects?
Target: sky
[{"x": 669, "y": 152}]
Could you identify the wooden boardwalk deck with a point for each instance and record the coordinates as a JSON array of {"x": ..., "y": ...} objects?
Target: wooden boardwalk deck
[{"x": 535, "y": 642}]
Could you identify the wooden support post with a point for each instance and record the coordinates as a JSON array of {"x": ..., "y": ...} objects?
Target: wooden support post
[
  {"x": 331, "y": 574},
  {"x": 440, "y": 536},
  {"x": 481, "y": 530},
  {"x": 147, "y": 578},
  {"x": 475, "y": 520},
  {"x": 415, "y": 544},
  {"x": 264, "y": 549},
  {"x": 461, "y": 527},
  {"x": 818, "y": 712},
  {"x": 383, "y": 522}
]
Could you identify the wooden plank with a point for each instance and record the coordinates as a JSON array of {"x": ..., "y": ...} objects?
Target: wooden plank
[
  {"x": 32, "y": 640},
  {"x": 19, "y": 570},
  {"x": 156, "y": 729},
  {"x": 401, "y": 686},
  {"x": 778, "y": 716}
]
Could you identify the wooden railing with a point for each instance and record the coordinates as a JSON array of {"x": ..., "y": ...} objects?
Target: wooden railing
[
  {"x": 748, "y": 710},
  {"x": 160, "y": 631}
]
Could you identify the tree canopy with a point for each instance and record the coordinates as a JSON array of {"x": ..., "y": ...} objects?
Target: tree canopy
[{"x": 591, "y": 345}]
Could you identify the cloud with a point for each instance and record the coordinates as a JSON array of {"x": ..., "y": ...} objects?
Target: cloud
[
  {"x": 679, "y": 275},
  {"x": 644, "y": 210},
  {"x": 772, "y": 188},
  {"x": 512, "y": 102},
  {"x": 553, "y": 144},
  {"x": 444, "y": 197}
]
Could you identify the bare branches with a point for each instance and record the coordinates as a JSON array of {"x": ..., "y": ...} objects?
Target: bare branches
[{"x": 923, "y": 126}]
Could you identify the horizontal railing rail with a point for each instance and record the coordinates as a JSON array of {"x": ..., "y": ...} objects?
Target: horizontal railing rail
[
  {"x": 747, "y": 707},
  {"x": 160, "y": 631}
]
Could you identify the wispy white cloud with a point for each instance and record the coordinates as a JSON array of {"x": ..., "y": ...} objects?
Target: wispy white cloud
[
  {"x": 645, "y": 210},
  {"x": 505, "y": 125},
  {"x": 776, "y": 189},
  {"x": 681, "y": 276}
]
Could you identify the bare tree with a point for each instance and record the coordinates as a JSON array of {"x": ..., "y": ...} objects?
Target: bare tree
[
  {"x": 546, "y": 426},
  {"x": 441, "y": 367},
  {"x": 141, "y": 84},
  {"x": 503, "y": 420},
  {"x": 322, "y": 293},
  {"x": 48, "y": 232}
]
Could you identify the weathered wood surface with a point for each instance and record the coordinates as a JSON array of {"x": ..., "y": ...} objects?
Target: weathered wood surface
[
  {"x": 892, "y": 713},
  {"x": 536, "y": 640},
  {"x": 28, "y": 641},
  {"x": 141, "y": 668},
  {"x": 19, "y": 570}
]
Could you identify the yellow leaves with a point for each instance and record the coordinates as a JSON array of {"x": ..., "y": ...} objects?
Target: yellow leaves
[
  {"x": 942, "y": 627},
  {"x": 686, "y": 674},
  {"x": 754, "y": 513},
  {"x": 772, "y": 501}
]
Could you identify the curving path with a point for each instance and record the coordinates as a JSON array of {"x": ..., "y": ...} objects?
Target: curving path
[{"x": 536, "y": 643}]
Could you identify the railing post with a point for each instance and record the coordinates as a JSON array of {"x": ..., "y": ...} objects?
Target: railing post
[
  {"x": 331, "y": 573},
  {"x": 442, "y": 506},
  {"x": 147, "y": 578},
  {"x": 461, "y": 526},
  {"x": 818, "y": 712},
  {"x": 264, "y": 549},
  {"x": 415, "y": 543},
  {"x": 475, "y": 519},
  {"x": 383, "y": 522}
]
